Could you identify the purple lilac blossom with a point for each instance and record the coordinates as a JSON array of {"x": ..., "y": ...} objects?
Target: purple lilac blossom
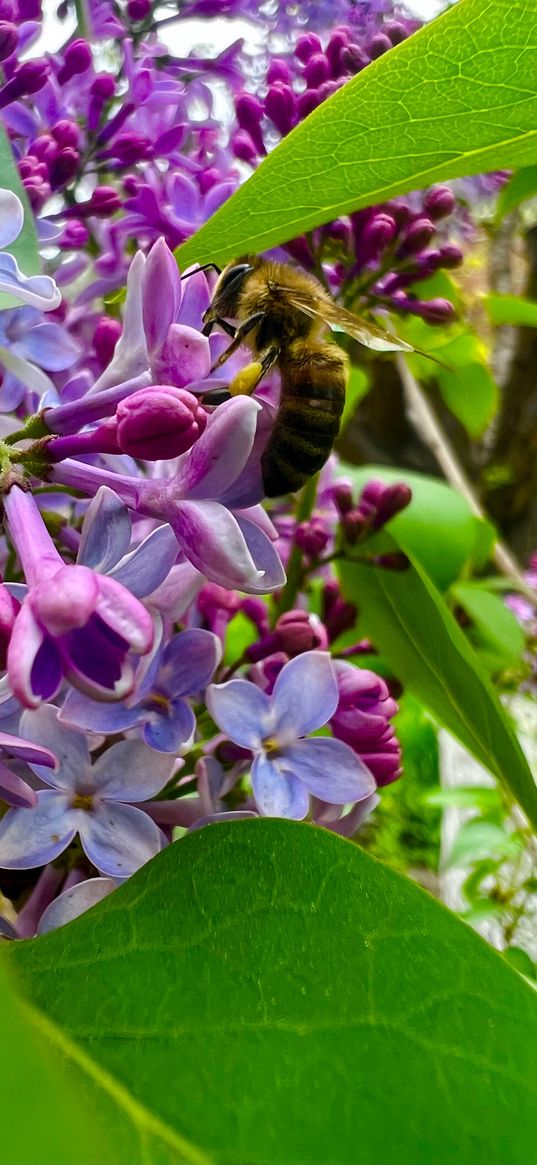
[
  {"x": 93, "y": 800},
  {"x": 286, "y": 767}
]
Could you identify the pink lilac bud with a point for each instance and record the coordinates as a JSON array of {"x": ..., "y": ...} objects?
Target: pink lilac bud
[
  {"x": 397, "y": 561},
  {"x": 105, "y": 338},
  {"x": 29, "y": 9},
  {"x": 10, "y": 10},
  {"x": 342, "y": 495},
  {"x": 256, "y": 610},
  {"x": 8, "y": 39},
  {"x": 306, "y": 46},
  {"x": 44, "y": 148},
  {"x": 381, "y": 502},
  {"x": 27, "y": 78},
  {"x": 249, "y": 111},
  {"x": 130, "y": 148},
  {"x": 294, "y": 633},
  {"x": 316, "y": 70},
  {"x": 354, "y": 526},
  {"x": 396, "y": 31},
  {"x": 378, "y": 235},
  {"x": 66, "y": 133},
  {"x": 337, "y": 614},
  {"x": 312, "y": 537},
  {"x": 353, "y": 59},
  {"x": 103, "y": 86},
  {"x": 278, "y": 70},
  {"x": 362, "y": 720},
  {"x": 138, "y": 9},
  {"x": 9, "y": 609},
  {"x": 433, "y": 311},
  {"x": 378, "y": 45},
  {"x": 76, "y": 59},
  {"x": 266, "y": 672},
  {"x": 439, "y": 202},
  {"x": 64, "y": 168},
  {"x": 307, "y": 102},
  {"x": 103, "y": 203},
  {"x": 208, "y": 178},
  {"x": 243, "y": 147},
  {"x": 450, "y": 255},
  {"x": 280, "y": 105},
  {"x": 75, "y": 236},
  {"x": 159, "y": 422},
  {"x": 338, "y": 41},
  {"x": 418, "y": 235}
]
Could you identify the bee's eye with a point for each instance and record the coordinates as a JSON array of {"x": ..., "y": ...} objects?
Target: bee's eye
[{"x": 237, "y": 272}]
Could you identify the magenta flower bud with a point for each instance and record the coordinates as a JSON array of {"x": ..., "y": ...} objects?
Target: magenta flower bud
[
  {"x": 433, "y": 311},
  {"x": 249, "y": 112},
  {"x": 354, "y": 525},
  {"x": 396, "y": 31},
  {"x": 338, "y": 41},
  {"x": 243, "y": 147},
  {"x": 353, "y": 59},
  {"x": 27, "y": 78},
  {"x": 8, "y": 39},
  {"x": 105, "y": 338},
  {"x": 278, "y": 70},
  {"x": 64, "y": 168},
  {"x": 450, "y": 256},
  {"x": 312, "y": 537},
  {"x": 66, "y": 133},
  {"x": 306, "y": 46},
  {"x": 159, "y": 422},
  {"x": 44, "y": 148},
  {"x": 75, "y": 236},
  {"x": 418, "y": 235},
  {"x": 377, "y": 235},
  {"x": 378, "y": 45},
  {"x": 103, "y": 202},
  {"x": 342, "y": 495},
  {"x": 11, "y": 11},
  {"x": 439, "y": 202},
  {"x": 29, "y": 9},
  {"x": 397, "y": 561},
  {"x": 300, "y": 631},
  {"x": 9, "y": 609},
  {"x": 307, "y": 102},
  {"x": 208, "y": 178},
  {"x": 280, "y": 105},
  {"x": 337, "y": 614},
  {"x": 316, "y": 70},
  {"x": 394, "y": 499},
  {"x": 362, "y": 720},
  {"x": 138, "y": 9},
  {"x": 130, "y": 148},
  {"x": 103, "y": 86},
  {"x": 76, "y": 59}
]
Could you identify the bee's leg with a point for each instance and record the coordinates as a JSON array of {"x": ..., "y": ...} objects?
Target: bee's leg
[
  {"x": 247, "y": 380},
  {"x": 240, "y": 333},
  {"x": 227, "y": 328}
]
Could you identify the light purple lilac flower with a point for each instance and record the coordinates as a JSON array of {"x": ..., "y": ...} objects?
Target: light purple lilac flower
[
  {"x": 91, "y": 800},
  {"x": 35, "y": 290},
  {"x": 73, "y": 622},
  {"x": 13, "y": 788},
  {"x": 73, "y": 902},
  {"x": 159, "y": 706},
  {"x": 286, "y": 767}
]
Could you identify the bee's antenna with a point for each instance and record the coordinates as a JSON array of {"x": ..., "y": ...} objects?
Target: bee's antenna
[{"x": 202, "y": 267}]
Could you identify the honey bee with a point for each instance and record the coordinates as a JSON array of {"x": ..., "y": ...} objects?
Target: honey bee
[{"x": 282, "y": 314}]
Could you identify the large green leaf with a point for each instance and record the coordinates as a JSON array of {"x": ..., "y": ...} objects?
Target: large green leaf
[
  {"x": 25, "y": 247},
  {"x": 457, "y": 98},
  {"x": 280, "y": 998},
  {"x": 415, "y": 631},
  {"x": 521, "y": 186},
  {"x": 511, "y": 309}
]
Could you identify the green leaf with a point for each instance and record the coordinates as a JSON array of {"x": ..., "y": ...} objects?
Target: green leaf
[
  {"x": 414, "y": 630},
  {"x": 471, "y": 393},
  {"x": 280, "y": 998},
  {"x": 521, "y": 186},
  {"x": 358, "y": 386},
  {"x": 483, "y": 797},
  {"x": 521, "y": 961},
  {"x": 482, "y": 839},
  {"x": 510, "y": 309},
  {"x": 438, "y": 526},
  {"x": 459, "y": 97},
  {"x": 497, "y": 626},
  {"x": 25, "y": 247}
]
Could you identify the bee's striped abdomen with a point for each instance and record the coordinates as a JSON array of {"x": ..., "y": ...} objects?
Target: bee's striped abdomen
[{"x": 307, "y": 424}]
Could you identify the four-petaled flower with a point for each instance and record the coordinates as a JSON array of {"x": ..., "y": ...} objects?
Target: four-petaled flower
[{"x": 286, "y": 768}]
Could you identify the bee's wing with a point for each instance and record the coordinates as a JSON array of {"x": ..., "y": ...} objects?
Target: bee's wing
[{"x": 359, "y": 329}]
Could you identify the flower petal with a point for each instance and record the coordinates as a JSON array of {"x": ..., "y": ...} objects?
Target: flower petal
[
  {"x": 172, "y": 731},
  {"x": 330, "y": 770},
  {"x": 305, "y": 695},
  {"x": 241, "y": 710},
  {"x": 265, "y": 556},
  {"x": 49, "y": 346},
  {"x": 161, "y": 294},
  {"x": 28, "y": 374},
  {"x": 219, "y": 455},
  {"x": 74, "y": 902},
  {"x": 125, "y": 615},
  {"x": 173, "y": 597},
  {"x": 106, "y": 532},
  {"x": 11, "y": 217},
  {"x": 23, "y": 750},
  {"x": 188, "y": 663},
  {"x": 278, "y": 794},
  {"x": 15, "y": 791},
  {"x": 43, "y": 727},
  {"x": 99, "y": 716},
  {"x": 130, "y": 355},
  {"x": 117, "y": 838},
  {"x": 34, "y": 666},
  {"x": 130, "y": 771},
  {"x": 149, "y": 564},
  {"x": 213, "y": 542},
  {"x": 33, "y": 837},
  {"x": 37, "y": 290}
]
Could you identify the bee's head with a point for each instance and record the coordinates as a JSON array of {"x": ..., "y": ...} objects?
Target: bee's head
[{"x": 227, "y": 293}]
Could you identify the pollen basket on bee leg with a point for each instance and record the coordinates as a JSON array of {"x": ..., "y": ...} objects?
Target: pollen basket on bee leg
[{"x": 245, "y": 381}]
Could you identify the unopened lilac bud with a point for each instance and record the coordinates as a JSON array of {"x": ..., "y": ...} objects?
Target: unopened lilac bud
[
  {"x": 439, "y": 202},
  {"x": 353, "y": 59},
  {"x": 394, "y": 499},
  {"x": 397, "y": 561},
  {"x": 159, "y": 422},
  {"x": 342, "y": 494},
  {"x": 338, "y": 41},
  {"x": 328, "y": 88},
  {"x": 9, "y": 609},
  {"x": 138, "y": 9},
  {"x": 395, "y": 30},
  {"x": 64, "y": 168},
  {"x": 450, "y": 256},
  {"x": 256, "y": 610},
  {"x": 306, "y": 46},
  {"x": 10, "y": 11},
  {"x": 300, "y": 631},
  {"x": 75, "y": 236},
  {"x": 243, "y": 147},
  {"x": 433, "y": 311},
  {"x": 66, "y": 133},
  {"x": 316, "y": 70},
  {"x": 29, "y": 9},
  {"x": 377, "y": 235},
  {"x": 280, "y": 105},
  {"x": 45, "y": 148},
  {"x": 26, "y": 79},
  {"x": 278, "y": 70},
  {"x": 208, "y": 178},
  {"x": 337, "y": 614},
  {"x": 103, "y": 202},
  {"x": 249, "y": 112},
  {"x": 8, "y": 39},
  {"x": 418, "y": 235},
  {"x": 354, "y": 525},
  {"x": 105, "y": 338},
  {"x": 103, "y": 86},
  {"x": 130, "y": 148},
  {"x": 307, "y": 102},
  {"x": 76, "y": 59},
  {"x": 312, "y": 537},
  {"x": 378, "y": 45}
]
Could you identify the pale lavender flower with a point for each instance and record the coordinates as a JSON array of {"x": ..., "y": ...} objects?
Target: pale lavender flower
[
  {"x": 91, "y": 800},
  {"x": 286, "y": 767},
  {"x": 36, "y": 290},
  {"x": 73, "y": 902},
  {"x": 27, "y": 346}
]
